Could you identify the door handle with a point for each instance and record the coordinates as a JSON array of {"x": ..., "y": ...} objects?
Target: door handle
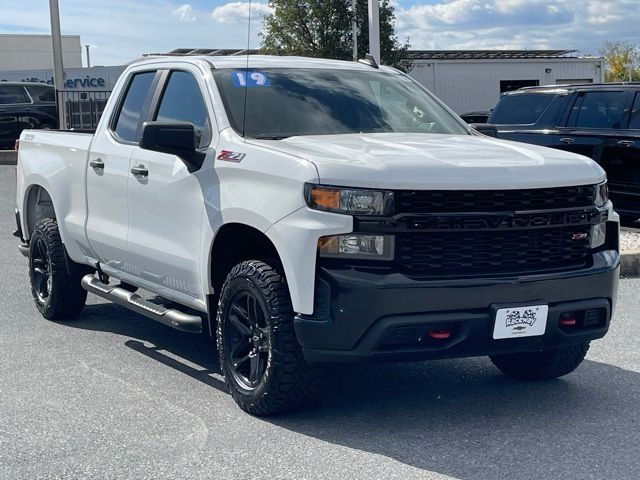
[
  {"x": 567, "y": 140},
  {"x": 140, "y": 171},
  {"x": 626, "y": 143},
  {"x": 97, "y": 163}
]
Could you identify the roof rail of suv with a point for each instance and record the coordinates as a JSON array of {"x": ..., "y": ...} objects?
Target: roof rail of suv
[{"x": 579, "y": 85}]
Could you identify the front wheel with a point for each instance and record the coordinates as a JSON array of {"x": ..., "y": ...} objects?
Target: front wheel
[
  {"x": 260, "y": 357},
  {"x": 55, "y": 283},
  {"x": 541, "y": 365}
]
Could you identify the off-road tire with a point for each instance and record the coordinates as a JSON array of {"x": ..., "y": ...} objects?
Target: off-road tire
[
  {"x": 287, "y": 380},
  {"x": 541, "y": 365},
  {"x": 66, "y": 297}
]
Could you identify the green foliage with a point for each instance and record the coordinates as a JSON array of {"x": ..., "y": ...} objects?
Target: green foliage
[
  {"x": 323, "y": 28},
  {"x": 618, "y": 56}
]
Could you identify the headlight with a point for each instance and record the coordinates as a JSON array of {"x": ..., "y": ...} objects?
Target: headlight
[
  {"x": 357, "y": 246},
  {"x": 602, "y": 194},
  {"x": 350, "y": 201}
]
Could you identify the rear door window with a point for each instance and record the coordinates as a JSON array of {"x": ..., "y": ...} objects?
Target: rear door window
[
  {"x": 13, "y": 94},
  {"x": 598, "y": 110},
  {"x": 634, "y": 122},
  {"x": 126, "y": 125},
  {"x": 520, "y": 109}
]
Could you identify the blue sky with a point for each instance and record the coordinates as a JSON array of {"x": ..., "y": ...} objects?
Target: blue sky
[{"x": 120, "y": 30}]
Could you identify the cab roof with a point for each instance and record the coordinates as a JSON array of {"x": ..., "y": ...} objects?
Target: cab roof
[{"x": 262, "y": 61}]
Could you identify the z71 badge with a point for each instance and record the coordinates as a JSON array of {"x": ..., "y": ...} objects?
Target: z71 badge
[{"x": 230, "y": 156}]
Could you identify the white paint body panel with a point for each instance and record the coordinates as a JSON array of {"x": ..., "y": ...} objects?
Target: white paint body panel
[
  {"x": 158, "y": 234},
  {"x": 440, "y": 162}
]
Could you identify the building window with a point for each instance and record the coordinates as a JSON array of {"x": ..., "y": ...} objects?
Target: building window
[
  {"x": 509, "y": 85},
  {"x": 574, "y": 81}
]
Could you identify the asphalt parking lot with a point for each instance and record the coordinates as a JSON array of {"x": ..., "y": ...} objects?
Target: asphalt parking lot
[{"x": 114, "y": 395}]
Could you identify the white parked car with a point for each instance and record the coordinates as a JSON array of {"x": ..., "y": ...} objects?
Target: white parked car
[{"x": 315, "y": 212}]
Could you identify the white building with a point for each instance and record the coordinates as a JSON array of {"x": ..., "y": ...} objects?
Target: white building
[
  {"x": 35, "y": 52},
  {"x": 472, "y": 80}
]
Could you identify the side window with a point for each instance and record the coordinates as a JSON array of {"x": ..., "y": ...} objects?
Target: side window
[
  {"x": 598, "y": 110},
  {"x": 126, "y": 126},
  {"x": 182, "y": 102},
  {"x": 44, "y": 93},
  {"x": 520, "y": 108},
  {"x": 635, "y": 113},
  {"x": 12, "y": 94}
]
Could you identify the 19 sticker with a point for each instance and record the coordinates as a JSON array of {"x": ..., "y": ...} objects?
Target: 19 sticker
[{"x": 253, "y": 79}]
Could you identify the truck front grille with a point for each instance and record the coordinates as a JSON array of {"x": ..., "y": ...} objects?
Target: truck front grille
[
  {"x": 447, "y": 201},
  {"x": 478, "y": 253}
]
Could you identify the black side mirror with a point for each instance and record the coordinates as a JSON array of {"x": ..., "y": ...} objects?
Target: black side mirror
[
  {"x": 487, "y": 129},
  {"x": 176, "y": 138}
]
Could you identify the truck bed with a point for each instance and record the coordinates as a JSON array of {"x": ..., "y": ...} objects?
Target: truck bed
[{"x": 55, "y": 160}]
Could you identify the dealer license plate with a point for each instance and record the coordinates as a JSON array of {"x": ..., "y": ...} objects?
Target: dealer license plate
[{"x": 521, "y": 322}]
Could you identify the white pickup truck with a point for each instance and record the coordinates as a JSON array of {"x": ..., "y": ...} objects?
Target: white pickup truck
[{"x": 306, "y": 212}]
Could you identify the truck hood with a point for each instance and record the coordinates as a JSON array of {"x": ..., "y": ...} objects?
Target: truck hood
[{"x": 436, "y": 161}]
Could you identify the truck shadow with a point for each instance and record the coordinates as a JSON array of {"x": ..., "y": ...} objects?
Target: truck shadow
[{"x": 461, "y": 417}]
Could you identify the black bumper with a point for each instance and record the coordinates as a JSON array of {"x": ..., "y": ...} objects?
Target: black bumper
[{"x": 364, "y": 316}]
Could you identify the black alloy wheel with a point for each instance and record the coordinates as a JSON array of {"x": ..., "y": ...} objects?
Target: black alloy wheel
[
  {"x": 41, "y": 270},
  {"x": 260, "y": 357},
  {"x": 55, "y": 278},
  {"x": 248, "y": 340}
]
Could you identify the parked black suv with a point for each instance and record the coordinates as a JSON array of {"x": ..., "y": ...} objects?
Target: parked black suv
[
  {"x": 475, "y": 117},
  {"x": 25, "y": 105},
  {"x": 601, "y": 121}
]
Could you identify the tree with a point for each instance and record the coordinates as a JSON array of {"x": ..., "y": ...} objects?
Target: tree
[
  {"x": 618, "y": 56},
  {"x": 323, "y": 28}
]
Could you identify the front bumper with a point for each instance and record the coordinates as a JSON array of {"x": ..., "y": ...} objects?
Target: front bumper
[{"x": 363, "y": 316}]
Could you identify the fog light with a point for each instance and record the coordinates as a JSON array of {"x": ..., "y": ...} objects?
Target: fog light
[
  {"x": 598, "y": 235},
  {"x": 356, "y": 246}
]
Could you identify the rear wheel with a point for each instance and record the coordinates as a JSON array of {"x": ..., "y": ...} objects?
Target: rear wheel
[
  {"x": 259, "y": 354},
  {"x": 541, "y": 365},
  {"x": 56, "y": 289}
]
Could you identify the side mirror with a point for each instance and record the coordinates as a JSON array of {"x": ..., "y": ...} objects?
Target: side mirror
[
  {"x": 487, "y": 129},
  {"x": 176, "y": 138}
]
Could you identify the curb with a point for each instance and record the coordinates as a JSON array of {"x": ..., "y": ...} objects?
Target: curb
[
  {"x": 8, "y": 157},
  {"x": 630, "y": 264}
]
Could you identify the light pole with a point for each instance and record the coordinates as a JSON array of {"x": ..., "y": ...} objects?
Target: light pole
[
  {"x": 86, "y": 47},
  {"x": 58, "y": 67},
  {"x": 354, "y": 28},
  {"x": 629, "y": 67},
  {"x": 374, "y": 30}
]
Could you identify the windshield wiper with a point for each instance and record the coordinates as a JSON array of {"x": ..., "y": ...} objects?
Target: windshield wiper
[{"x": 270, "y": 137}]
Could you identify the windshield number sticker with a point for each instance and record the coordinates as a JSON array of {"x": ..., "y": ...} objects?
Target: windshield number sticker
[{"x": 255, "y": 79}]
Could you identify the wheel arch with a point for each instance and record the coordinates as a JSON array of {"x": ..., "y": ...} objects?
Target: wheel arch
[
  {"x": 38, "y": 204},
  {"x": 234, "y": 243}
]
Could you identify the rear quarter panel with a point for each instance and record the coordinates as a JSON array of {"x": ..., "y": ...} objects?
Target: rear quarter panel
[{"x": 56, "y": 161}]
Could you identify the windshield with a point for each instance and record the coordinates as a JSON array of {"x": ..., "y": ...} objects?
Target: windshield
[{"x": 288, "y": 102}]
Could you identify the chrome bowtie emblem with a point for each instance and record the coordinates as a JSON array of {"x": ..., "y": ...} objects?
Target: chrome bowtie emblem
[{"x": 579, "y": 236}]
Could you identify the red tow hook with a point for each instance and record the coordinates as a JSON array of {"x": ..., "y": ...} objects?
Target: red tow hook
[
  {"x": 567, "y": 321},
  {"x": 439, "y": 334}
]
